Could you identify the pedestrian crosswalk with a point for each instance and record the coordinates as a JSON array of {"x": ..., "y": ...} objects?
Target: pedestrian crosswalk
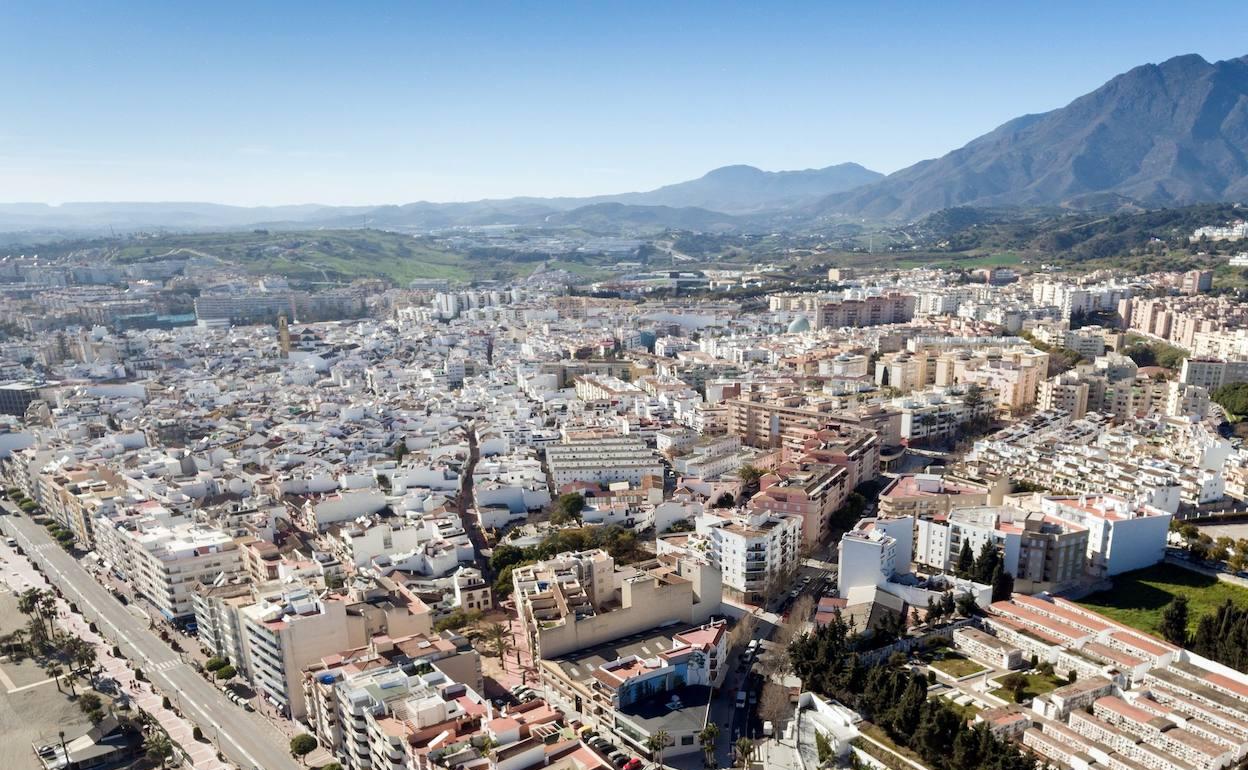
[{"x": 166, "y": 665}]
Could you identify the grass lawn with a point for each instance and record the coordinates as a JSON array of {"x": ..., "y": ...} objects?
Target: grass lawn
[
  {"x": 968, "y": 710},
  {"x": 1138, "y": 598},
  {"x": 957, "y": 666},
  {"x": 1037, "y": 684},
  {"x": 879, "y": 734}
]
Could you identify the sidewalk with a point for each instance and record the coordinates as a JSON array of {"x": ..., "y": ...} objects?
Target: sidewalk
[{"x": 20, "y": 575}]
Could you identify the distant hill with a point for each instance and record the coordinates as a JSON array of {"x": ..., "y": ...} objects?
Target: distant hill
[
  {"x": 1067, "y": 235},
  {"x": 1159, "y": 135},
  {"x": 604, "y": 216},
  {"x": 746, "y": 189},
  {"x": 718, "y": 195}
]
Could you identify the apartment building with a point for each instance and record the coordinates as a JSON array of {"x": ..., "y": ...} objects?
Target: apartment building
[
  {"x": 763, "y": 421},
  {"x": 602, "y": 388},
  {"x": 76, "y": 493},
  {"x": 810, "y": 490},
  {"x": 1041, "y": 552},
  {"x": 869, "y": 310},
  {"x": 1122, "y": 536},
  {"x": 244, "y": 307},
  {"x": 873, "y": 552},
  {"x": 925, "y": 496},
  {"x": 341, "y": 688},
  {"x": 1156, "y": 461},
  {"x": 218, "y": 620},
  {"x": 579, "y": 600},
  {"x": 285, "y": 633},
  {"x": 602, "y": 461},
  {"x": 756, "y": 552},
  {"x": 164, "y": 556},
  {"x": 1212, "y": 374},
  {"x": 652, "y": 681}
]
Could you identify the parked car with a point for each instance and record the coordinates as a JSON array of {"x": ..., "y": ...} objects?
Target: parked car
[{"x": 741, "y": 699}]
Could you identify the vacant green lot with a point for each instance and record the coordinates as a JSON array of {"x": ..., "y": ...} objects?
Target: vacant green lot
[
  {"x": 957, "y": 666},
  {"x": 1138, "y": 598},
  {"x": 1037, "y": 684}
]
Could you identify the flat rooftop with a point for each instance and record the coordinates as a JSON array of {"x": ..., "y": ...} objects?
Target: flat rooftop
[
  {"x": 663, "y": 712},
  {"x": 580, "y": 665}
]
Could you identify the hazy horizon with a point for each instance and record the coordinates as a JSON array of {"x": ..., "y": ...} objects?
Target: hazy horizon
[{"x": 314, "y": 103}]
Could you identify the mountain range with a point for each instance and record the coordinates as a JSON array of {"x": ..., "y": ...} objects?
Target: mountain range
[
  {"x": 716, "y": 200},
  {"x": 1158, "y": 135}
]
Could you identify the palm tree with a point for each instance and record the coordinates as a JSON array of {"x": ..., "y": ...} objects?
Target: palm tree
[
  {"x": 55, "y": 670},
  {"x": 47, "y": 611},
  {"x": 657, "y": 743},
  {"x": 745, "y": 748},
  {"x": 80, "y": 653},
  {"x": 707, "y": 737},
  {"x": 71, "y": 677},
  {"x": 158, "y": 747},
  {"x": 497, "y": 636},
  {"x": 31, "y": 603}
]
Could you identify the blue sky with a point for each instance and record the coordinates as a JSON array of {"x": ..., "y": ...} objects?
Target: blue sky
[{"x": 355, "y": 103}]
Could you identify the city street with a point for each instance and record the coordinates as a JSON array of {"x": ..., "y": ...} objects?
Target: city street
[{"x": 242, "y": 737}]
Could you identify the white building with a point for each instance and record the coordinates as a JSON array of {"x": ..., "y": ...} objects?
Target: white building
[
  {"x": 602, "y": 461},
  {"x": 286, "y": 633},
  {"x": 1121, "y": 536},
  {"x": 752, "y": 550},
  {"x": 164, "y": 556}
]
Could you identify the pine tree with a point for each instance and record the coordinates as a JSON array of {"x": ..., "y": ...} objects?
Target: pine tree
[
  {"x": 1174, "y": 621},
  {"x": 966, "y": 560},
  {"x": 986, "y": 563},
  {"x": 1002, "y": 584}
]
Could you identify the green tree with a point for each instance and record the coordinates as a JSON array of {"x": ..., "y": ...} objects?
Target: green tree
[
  {"x": 707, "y": 737},
  {"x": 567, "y": 508},
  {"x": 966, "y": 605},
  {"x": 966, "y": 560},
  {"x": 657, "y": 745},
  {"x": 1015, "y": 684},
  {"x": 1174, "y": 621},
  {"x": 89, "y": 702},
  {"x": 1002, "y": 584},
  {"x": 498, "y": 638},
  {"x": 301, "y": 746},
  {"x": 823, "y": 749},
  {"x": 745, "y": 750},
  {"x": 158, "y": 747},
  {"x": 986, "y": 563},
  {"x": 504, "y": 556},
  {"x": 503, "y": 585},
  {"x": 55, "y": 671},
  {"x": 1233, "y": 398},
  {"x": 750, "y": 474}
]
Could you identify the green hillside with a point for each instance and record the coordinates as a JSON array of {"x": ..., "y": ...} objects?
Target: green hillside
[{"x": 321, "y": 254}]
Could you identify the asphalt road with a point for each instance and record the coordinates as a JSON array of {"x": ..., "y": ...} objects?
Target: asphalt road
[{"x": 242, "y": 740}]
